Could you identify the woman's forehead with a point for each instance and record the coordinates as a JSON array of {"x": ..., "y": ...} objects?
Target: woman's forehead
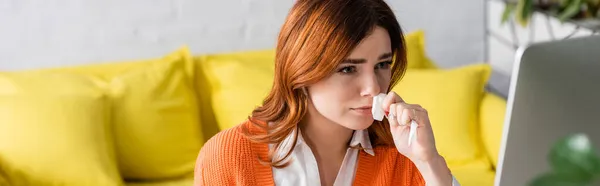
[{"x": 372, "y": 47}]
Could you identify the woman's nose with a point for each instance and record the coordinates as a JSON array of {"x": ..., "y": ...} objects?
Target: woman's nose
[{"x": 370, "y": 85}]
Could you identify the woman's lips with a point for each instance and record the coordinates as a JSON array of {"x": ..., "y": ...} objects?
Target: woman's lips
[{"x": 364, "y": 111}]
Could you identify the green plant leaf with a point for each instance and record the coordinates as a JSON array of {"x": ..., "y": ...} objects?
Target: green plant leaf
[
  {"x": 554, "y": 179},
  {"x": 565, "y": 3},
  {"x": 571, "y": 10},
  {"x": 523, "y": 13},
  {"x": 574, "y": 162},
  {"x": 574, "y": 156},
  {"x": 508, "y": 10}
]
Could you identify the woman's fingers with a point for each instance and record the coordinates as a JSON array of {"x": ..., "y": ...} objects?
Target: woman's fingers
[
  {"x": 401, "y": 113},
  {"x": 392, "y": 112},
  {"x": 392, "y": 115},
  {"x": 405, "y": 113},
  {"x": 390, "y": 99}
]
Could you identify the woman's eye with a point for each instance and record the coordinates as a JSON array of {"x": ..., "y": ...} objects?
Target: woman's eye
[
  {"x": 384, "y": 65},
  {"x": 347, "y": 70}
]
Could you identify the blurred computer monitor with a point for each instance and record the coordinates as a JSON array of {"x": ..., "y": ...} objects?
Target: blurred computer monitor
[{"x": 554, "y": 92}]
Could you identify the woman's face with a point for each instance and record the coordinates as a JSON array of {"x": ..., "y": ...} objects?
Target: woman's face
[{"x": 346, "y": 96}]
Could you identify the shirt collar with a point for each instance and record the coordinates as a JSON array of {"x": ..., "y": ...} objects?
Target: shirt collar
[{"x": 359, "y": 137}]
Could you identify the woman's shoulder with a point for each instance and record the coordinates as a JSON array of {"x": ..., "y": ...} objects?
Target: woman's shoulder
[
  {"x": 232, "y": 143},
  {"x": 219, "y": 159},
  {"x": 227, "y": 141},
  {"x": 221, "y": 155}
]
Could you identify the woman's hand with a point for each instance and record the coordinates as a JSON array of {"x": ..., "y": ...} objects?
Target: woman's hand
[
  {"x": 422, "y": 151},
  {"x": 400, "y": 114}
]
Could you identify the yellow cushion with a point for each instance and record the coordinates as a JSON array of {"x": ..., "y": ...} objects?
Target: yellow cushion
[
  {"x": 415, "y": 50},
  {"x": 238, "y": 83},
  {"x": 157, "y": 127},
  {"x": 493, "y": 110},
  {"x": 474, "y": 175},
  {"x": 108, "y": 70},
  {"x": 185, "y": 181},
  {"x": 452, "y": 99},
  {"x": 54, "y": 131},
  {"x": 103, "y": 71}
]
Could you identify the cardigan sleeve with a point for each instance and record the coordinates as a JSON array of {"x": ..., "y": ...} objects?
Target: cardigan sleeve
[{"x": 216, "y": 161}]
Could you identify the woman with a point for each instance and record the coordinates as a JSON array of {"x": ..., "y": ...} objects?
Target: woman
[{"x": 315, "y": 127}]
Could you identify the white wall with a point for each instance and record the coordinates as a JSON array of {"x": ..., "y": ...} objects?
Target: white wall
[
  {"x": 50, "y": 33},
  {"x": 455, "y": 28},
  {"x": 540, "y": 29},
  {"x": 503, "y": 41}
]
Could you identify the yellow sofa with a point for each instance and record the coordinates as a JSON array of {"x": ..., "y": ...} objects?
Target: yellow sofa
[{"x": 142, "y": 122}]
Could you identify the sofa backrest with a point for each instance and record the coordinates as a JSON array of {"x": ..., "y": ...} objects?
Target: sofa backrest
[
  {"x": 246, "y": 77},
  {"x": 491, "y": 120}
]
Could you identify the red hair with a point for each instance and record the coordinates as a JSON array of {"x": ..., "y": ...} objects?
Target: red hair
[{"x": 315, "y": 38}]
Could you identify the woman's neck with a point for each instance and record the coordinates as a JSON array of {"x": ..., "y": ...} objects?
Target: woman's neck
[
  {"x": 325, "y": 138},
  {"x": 328, "y": 142}
]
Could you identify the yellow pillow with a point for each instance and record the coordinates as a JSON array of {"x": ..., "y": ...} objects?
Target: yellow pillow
[
  {"x": 104, "y": 71},
  {"x": 474, "y": 174},
  {"x": 493, "y": 110},
  {"x": 157, "y": 127},
  {"x": 238, "y": 83},
  {"x": 452, "y": 99},
  {"x": 54, "y": 131},
  {"x": 415, "y": 50}
]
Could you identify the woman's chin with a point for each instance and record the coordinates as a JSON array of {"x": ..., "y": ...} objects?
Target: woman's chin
[{"x": 358, "y": 124}]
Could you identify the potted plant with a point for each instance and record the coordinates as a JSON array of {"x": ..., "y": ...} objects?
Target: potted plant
[
  {"x": 574, "y": 162},
  {"x": 522, "y": 10}
]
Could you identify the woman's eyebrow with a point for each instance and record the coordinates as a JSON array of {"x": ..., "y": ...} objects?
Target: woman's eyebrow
[
  {"x": 385, "y": 56},
  {"x": 360, "y": 61},
  {"x": 354, "y": 61}
]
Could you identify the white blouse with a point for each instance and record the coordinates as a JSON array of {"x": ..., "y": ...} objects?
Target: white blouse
[{"x": 303, "y": 169}]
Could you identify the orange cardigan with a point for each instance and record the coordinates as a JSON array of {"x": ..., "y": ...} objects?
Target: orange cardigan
[{"x": 229, "y": 158}]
